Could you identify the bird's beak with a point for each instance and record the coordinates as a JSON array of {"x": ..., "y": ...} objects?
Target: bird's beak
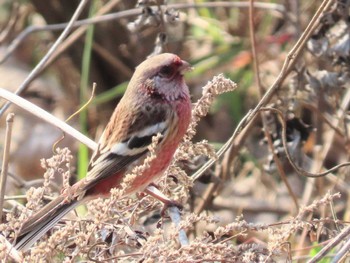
[{"x": 185, "y": 67}]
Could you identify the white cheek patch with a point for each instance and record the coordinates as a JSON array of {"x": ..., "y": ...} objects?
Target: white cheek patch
[{"x": 123, "y": 149}]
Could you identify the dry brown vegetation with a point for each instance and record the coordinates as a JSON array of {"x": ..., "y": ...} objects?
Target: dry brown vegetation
[{"x": 263, "y": 170}]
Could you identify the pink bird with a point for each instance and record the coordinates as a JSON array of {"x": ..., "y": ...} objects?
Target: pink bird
[{"x": 156, "y": 101}]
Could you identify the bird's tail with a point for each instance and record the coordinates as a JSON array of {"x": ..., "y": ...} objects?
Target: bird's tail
[{"x": 42, "y": 221}]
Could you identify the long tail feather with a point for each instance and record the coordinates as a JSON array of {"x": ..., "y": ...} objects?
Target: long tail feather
[{"x": 37, "y": 225}]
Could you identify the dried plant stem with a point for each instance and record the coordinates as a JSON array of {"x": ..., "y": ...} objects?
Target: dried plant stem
[
  {"x": 56, "y": 27},
  {"x": 263, "y": 116},
  {"x": 288, "y": 65},
  {"x": 4, "y": 168},
  {"x": 253, "y": 46},
  {"x": 320, "y": 153},
  {"x": 208, "y": 195},
  {"x": 251, "y": 206},
  {"x": 12, "y": 19},
  {"x": 100, "y": 18},
  {"x": 303, "y": 237},
  {"x": 328, "y": 143},
  {"x": 342, "y": 253},
  {"x": 44, "y": 115},
  {"x": 43, "y": 61},
  {"x": 321, "y": 254},
  {"x": 289, "y": 157},
  {"x": 114, "y": 61},
  {"x": 78, "y": 33},
  {"x": 324, "y": 118}
]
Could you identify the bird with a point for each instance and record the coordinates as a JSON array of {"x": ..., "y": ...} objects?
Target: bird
[{"x": 156, "y": 101}]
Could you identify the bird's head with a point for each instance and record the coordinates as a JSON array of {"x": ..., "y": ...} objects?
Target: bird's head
[{"x": 162, "y": 75}]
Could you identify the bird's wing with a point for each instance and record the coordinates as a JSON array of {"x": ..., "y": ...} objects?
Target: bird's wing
[{"x": 126, "y": 139}]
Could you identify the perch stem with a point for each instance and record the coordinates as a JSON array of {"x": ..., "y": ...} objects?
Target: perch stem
[{"x": 4, "y": 168}]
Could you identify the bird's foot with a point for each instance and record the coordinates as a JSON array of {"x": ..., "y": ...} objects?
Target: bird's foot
[{"x": 153, "y": 191}]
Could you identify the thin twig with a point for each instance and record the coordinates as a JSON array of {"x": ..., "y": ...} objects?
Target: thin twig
[
  {"x": 322, "y": 253},
  {"x": 210, "y": 191},
  {"x": 12, "y": 19},
  {"x": 114, "y": 61},
  {"x": 5, "y": 160},
  {"x": 342, "y": 253},
  {"x": 47, "y": 56},
  {"x": 44, "y": 115}
]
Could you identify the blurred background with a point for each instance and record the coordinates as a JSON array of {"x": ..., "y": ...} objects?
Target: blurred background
[{"x": 254, "y": 178}]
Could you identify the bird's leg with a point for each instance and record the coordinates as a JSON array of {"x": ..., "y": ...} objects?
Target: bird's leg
[{"x": 152, "y": 190}]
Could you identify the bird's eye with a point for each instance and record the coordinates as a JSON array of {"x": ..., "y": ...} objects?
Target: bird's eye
[{"x": 167, "y": 71}]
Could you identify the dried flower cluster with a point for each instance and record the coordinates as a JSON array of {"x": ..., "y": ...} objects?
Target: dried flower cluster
[
  {"x": 215, "y": 87},
  {"x": 57, "y": 166}
]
